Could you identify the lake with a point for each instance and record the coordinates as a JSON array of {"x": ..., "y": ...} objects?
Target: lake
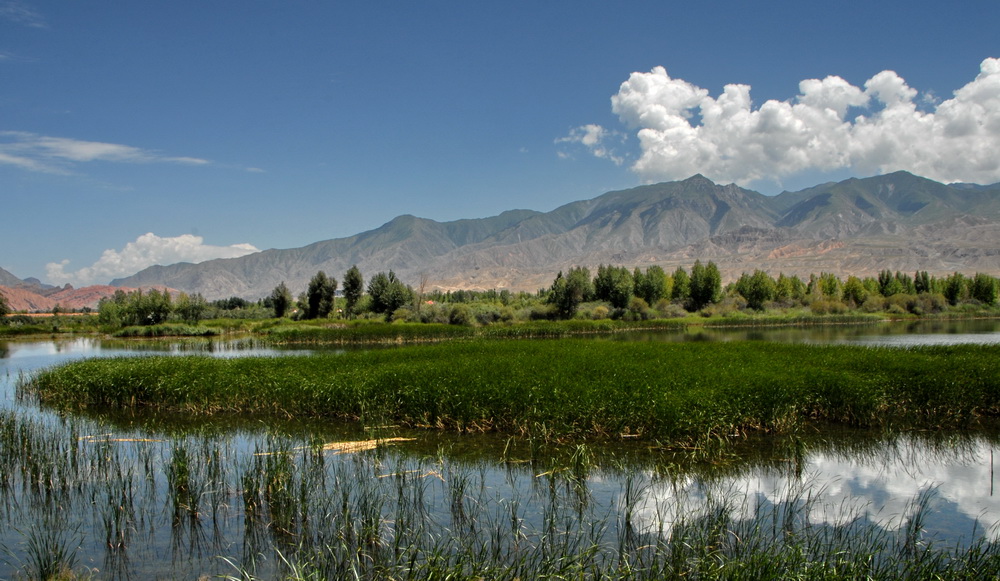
[{"x": 132, "y": 496}]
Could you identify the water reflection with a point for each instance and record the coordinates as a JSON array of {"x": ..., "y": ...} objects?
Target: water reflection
[
  {"x": 879, "y": 484},
  {"x": 145, "y": 496}
]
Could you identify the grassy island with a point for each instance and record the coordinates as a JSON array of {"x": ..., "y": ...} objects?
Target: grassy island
[{"x": 571, "y": 388}]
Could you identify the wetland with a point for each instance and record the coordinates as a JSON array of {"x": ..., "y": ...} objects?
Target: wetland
[{"x": 206, "y": 460}]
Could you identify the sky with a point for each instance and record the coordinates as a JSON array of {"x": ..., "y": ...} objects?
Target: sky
[{"x": 145, "y": 133}]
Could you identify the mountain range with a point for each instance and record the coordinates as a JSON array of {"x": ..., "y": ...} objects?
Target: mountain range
[{"x": 896, "y": 221}]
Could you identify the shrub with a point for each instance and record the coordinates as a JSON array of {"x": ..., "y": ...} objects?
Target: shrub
[
  {"x": 600, "y": 312},
  {"x": 932, "y": 302},
  {"x": 827, "y": 307},
  {"x": 460, "y": 315},
  {"x": 670, "y": 310},
  {"x": 542, "y": 313},
  {"x": 401, "y": 314},
  {"x": 639, "y": 310},
  {"x": 874, "y": 304},
  {"x": 487, "y": 315}
]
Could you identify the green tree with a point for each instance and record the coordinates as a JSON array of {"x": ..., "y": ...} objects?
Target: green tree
[
  {"x": 909, "y": 287},
  {"x": 682, "y": 285},
  {"x": 135, "y": 308},
  {"x": 4, "y": 306},
  {"x": 110, "y": 309},
  {"x": 354, "y": 287},
  {"x": 758, "y": 289},
  {"x": 922, "y": 282},
  {"x": 280, "y": 299},
  {"x": 706, "y": 285},
  {"x": 854, "y": 291},
  {"x": 956, "y": 288},
  {"x": 790, "y": 289},
  {"x": 154, "y": 307},
  {"x": 891, "y": 284},
  {"x": 320, "y": 296},
  {"x": 567, "y": 292},
  {"x": 190, "y": 308},
  {"x": 983, "y": 288},
  {"x": 388, "y": 293},
  {"x": 827, "y": 286},
  {"x": 653, "y": 285},
  {"x": 614, "y": 284},
  {"x": 638, "y": 282},
  {"x": 603, "y": 282}
]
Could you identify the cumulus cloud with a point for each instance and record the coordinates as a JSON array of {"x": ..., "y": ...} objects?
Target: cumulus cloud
[
  {"x": 830, "y": 125},
  {"x": 147, "y": 250},
  {"x": 42, "y": 153}
]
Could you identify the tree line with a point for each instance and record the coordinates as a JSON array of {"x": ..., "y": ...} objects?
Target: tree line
[
  {"x": 636, "y": 291},
  {"x": 615, "y": 292}
]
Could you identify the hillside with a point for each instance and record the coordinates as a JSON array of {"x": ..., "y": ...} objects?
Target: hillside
[
  {"x": 25, "y": 296},
  {"x": 859, "y": 226}
]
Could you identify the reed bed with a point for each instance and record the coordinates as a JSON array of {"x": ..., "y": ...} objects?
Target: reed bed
[
  {"x": 265, "y": 506},
  {"x": 675, "y": 394},
  {"x": 368, "y": 332},
  {"x": 165, "y": 330}
]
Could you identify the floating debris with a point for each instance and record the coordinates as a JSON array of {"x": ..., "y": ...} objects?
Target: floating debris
[
  {"x": 108, "y": 438},
  {"x": 349, "y": 447}
]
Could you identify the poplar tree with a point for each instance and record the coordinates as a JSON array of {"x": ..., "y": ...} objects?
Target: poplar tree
[
  {"x": 706, "y": 285},
  {"x": 354, "y": 287},
  {"x": 281, "y": 299},
  {"x": 320, "y": 296}
]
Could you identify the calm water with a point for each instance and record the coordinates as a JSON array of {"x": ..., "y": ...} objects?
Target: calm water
[{"x": 118, "y": 509}]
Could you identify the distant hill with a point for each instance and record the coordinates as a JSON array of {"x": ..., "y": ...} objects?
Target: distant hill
[
  {"x": 26, "y": 298},
  {"x": 8, "y": 279},
  {"x": 897, "y": 221}
]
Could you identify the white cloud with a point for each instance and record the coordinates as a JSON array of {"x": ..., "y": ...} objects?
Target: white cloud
[
  {"x": 147, "y": 250},
  {"x": 595, "y": 138},
  {"x": 58, "y": 154},
  {"x": 831, "y": 125},
  {"x": 20, "y": 13}
]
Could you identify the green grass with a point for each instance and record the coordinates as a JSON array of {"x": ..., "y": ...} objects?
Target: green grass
[
  {"x": 165, "y": 330},
  {"x": 571, "y": 388}
]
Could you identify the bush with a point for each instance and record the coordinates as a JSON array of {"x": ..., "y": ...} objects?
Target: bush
[
  {"x": 460, "y": 315},
  {"x": 932, "y": 302},
  {"x": 827, "y": 307},
  {"x": 669, "y": 310},
  {"x": 639, "y": 310},
  {"x": 729, "y": 307},
  {"x": 402, "y": 314},
  {"x": 487, "y": 315},
  {"x": 542, "y": 313},
  {"x": 874, "y": 304}
]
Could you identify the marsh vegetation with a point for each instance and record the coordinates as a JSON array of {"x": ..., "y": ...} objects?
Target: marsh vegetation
[
  {"x": 611, "y": 457},
  {"x": 671, "y": 394}
]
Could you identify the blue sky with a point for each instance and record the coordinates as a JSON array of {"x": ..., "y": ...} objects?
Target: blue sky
[{"x": 133, "y": 133}]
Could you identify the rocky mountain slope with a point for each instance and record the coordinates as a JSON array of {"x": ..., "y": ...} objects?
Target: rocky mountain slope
[
  {"x": 859, "y": 226},
  {"x": 32, "y": 296},
  {"x": 22, "y": 298}
]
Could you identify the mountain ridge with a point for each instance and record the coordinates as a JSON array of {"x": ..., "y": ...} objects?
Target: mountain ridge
[{"x": 857, "y": 226}]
